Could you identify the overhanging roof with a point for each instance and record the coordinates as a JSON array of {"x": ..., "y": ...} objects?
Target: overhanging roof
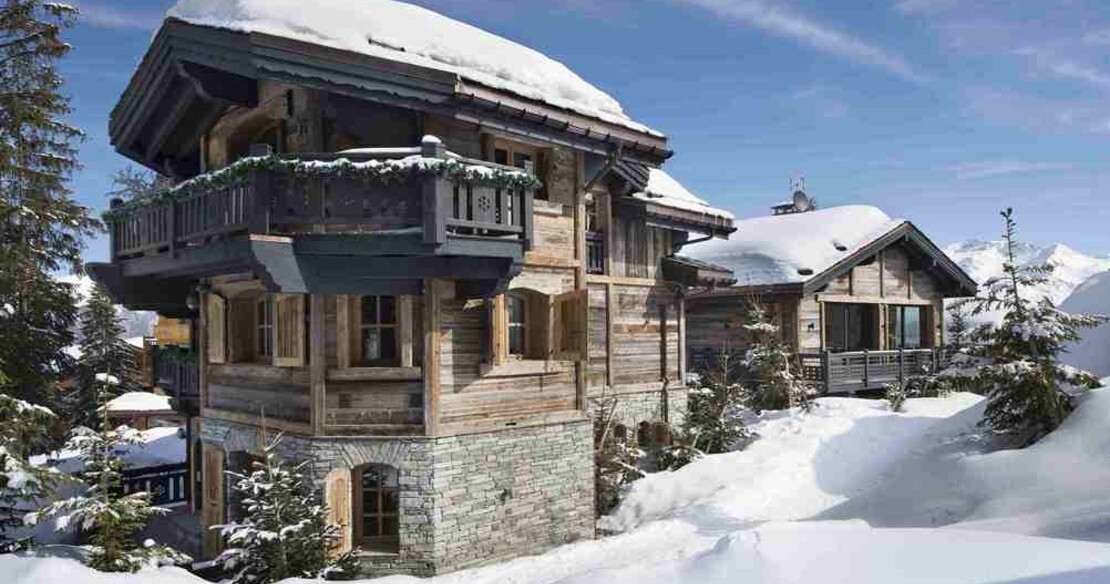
[{"x": 191, "y": 73}]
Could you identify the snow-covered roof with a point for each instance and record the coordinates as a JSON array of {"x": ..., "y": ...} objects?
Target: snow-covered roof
[
  {"x": 662, "y": 189},
  {"x": 415, "y": 35},
  {"x": 140, "y": 401},
  {"x": 792, "y": 248}
]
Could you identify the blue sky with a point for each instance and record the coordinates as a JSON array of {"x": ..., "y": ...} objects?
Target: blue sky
[{"x": 938, "y": 111}]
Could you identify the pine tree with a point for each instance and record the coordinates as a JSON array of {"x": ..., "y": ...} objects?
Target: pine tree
[
  {"x": 103, "y": 354},
  {"x": 617, "y": 457},
  {"x": 712, "y": 423},
  {"x": 1016, "y": 364},
  {"x": 41, "y": 227},
  {"x": 109, "y": 518},
  {"x": 959, "y": 326},
  {"x": 23, "y": 432},
  {"x": 130, "y": 183},
  {"x": 285, "y": 533},
  {"x": 773, "y": 380}
]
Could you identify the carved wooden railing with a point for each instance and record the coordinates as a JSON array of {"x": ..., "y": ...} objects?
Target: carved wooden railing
[
  {"x": 862, "y": 370},
  {"x": 276, "y": 201}
]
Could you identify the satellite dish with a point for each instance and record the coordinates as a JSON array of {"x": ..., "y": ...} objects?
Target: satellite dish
[{"x": 802, "y": 202}]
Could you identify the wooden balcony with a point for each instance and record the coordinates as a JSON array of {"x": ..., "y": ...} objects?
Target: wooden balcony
[
  {"x": 849, "y": 372},
  {"x": 381, "y": 219}
]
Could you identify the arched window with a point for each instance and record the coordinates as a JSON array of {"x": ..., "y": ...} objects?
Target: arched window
[{"x": 377, "y": 496}]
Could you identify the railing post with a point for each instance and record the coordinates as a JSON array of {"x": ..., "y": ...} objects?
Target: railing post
[
  {"x": 901, "y": 367},
  {"x": 114, "y": 230},
  {"x": 171, "y": 227},
  {"x": 826, "y": 369},
  {"x": 526, "y": 217},
  {"x": 866, "y": 368},
  {"x": 433, "y": 193},
  {"x": 258, "y": 193}
]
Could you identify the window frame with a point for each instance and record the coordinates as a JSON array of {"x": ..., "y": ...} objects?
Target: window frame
[
  {"x": 869, "y": 333},
  {"x": 896, "y": 339},
  {"x": 538, "y": 155},
  {"x": 264, "y": 329},
  {"x": 386, "y": 543},
  {"x": 523, "y": 325},
  {"x": 394, "y": 326}
]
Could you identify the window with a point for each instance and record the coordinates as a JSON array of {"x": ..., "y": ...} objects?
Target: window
[
  {"x": 378, "y": 331},
  {"x": 595, "y": 240},
  {"x": 528, "y": 158},
  {"x": 377, "y": 495},
  {"x": 264, "y": 328},
  {"x": 850, "y": 327},
  {"x": 517, "y": 311},
  {"x": 906, "y": 327}
]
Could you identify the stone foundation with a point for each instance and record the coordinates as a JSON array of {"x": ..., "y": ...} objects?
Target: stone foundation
[
  {"x": 465, "y": 500},
  {"x": 668, "y": 405}
]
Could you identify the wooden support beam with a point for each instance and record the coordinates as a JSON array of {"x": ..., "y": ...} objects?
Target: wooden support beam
[
  {"x": 432, "y": 301},
  {"x": 682, "y": 341},
  {"x": 405, "y": 323},
  {"x": 610, "y": 347},
  {"x": 317, "y": 362},
  {"x": 202, "y": 350},
  {"x": 343, "y": 331}
]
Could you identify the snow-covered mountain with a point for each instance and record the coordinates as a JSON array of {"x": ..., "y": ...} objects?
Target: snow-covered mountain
[{"x": 983, "y": 260}]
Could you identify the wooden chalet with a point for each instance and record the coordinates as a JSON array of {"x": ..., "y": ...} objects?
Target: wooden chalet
[
  {"x": 425, "y": 279},
  {"x": 857, "y": 295}
]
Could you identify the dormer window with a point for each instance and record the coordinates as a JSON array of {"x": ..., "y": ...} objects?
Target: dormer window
[{"x": 525, "y": 157}]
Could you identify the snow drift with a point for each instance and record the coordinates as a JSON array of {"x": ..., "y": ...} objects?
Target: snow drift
[{"x": 1093, "y": 352}]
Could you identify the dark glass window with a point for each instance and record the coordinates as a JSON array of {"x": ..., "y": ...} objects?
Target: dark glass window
[
  {"x": 379, "y": 498},
  {"x": 850, "y": 327},
  {"x": 906, "y": 327},
  {"x": 517, "y": 335},
  {"x": 379, "y": 331},
  {"x": 264, "y": 319}
]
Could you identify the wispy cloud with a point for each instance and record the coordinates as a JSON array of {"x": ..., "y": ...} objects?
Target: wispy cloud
[
  {"x": 779, "y": 21},
  {"x": 103, "y": 16},
  {"x": 995, "y": 168},
  {"x": 1068, "y": 69},
  {"x": 822, "y": 99}
]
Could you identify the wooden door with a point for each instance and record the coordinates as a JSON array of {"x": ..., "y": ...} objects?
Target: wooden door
[{"x": 213, "y": 509}]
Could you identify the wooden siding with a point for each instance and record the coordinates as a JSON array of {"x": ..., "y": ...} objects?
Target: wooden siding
[
  {"x": 717, "y": 324},
  {"x": 260, "y": 390},
  {"x": 638, "y": 250},
  {"x": 644, "y": 336}
]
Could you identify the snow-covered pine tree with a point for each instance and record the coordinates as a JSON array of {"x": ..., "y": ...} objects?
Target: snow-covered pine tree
[
  {"x": 103, "y": 354},
  {"x": 1016, "y": 364},
  {"x": 773, "y": 376},
  {"x": 285, "y": 533},
  {"x": 959, "y": 326},
  {"x": 617, "y": 457},
  {"x": 41, "y": 226},
  {"x": 104, "y": 513},
  {"x": 23, "y": 432},
  {"x": 712, "y": 422}
]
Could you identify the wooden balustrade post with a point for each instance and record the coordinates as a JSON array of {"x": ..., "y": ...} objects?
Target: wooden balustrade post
[
  {"x": 114, "y": 232},
  {"x": 259, "y": 200},
  {"x": 434, "y": 192},
  {"x": 171, "y": 227},
  {"x": 826, "y": 369},
  {"x": 866, "y": 368},
  {"x": 526, "y": 217},
  {"x": 901, "y": 367}
]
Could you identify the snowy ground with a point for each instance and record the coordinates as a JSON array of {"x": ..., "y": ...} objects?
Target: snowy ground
[{"x": 848, "y": 493}]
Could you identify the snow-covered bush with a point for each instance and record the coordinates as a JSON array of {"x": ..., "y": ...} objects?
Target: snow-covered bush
[
  {"x": 285, "y": 533},
  {"x": 1016, "y": 364},
  {"x": 617, "y": 457},
  {"x": 23, "y": 429},
  {"x": 773, "y": 375},
  {"x": 108, "y": 517},
  {"x": 713, "y": 423},
  {"x": 895, "y": 395}
]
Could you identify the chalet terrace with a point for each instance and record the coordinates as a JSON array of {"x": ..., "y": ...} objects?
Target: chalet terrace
[{"x": 424, "y": 253}]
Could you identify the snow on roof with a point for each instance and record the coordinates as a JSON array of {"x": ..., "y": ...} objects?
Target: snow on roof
[
  {"x": 140, "y": 401},
  {"x": 412, "y": 34},
  {"x": 160, "y": 445},
  {"x": 663, "y": 189},
  {"x": 792, "y": 248}
]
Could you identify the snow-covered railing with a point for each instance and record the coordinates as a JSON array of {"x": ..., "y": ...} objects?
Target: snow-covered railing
[
  {"x": 863, "y": 370},
  {"x": 167, "y": 484},
  {"x": 425, "y": 189}
]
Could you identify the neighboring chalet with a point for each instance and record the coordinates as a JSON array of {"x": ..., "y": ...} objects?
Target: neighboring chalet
[
  {"x": 859, "y": 296},
  {"x": 422, "y": 252}
]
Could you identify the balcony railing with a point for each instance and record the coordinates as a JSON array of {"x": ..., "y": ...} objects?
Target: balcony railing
[
  {"x": 424, "y": 189},
  {"x": 863, "y": 370}
]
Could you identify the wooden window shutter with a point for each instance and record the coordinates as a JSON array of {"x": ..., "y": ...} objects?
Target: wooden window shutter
[
  {"x": 289, "y": 333},
  {"x": 216, "y": 324},
  {"x": 337, "y": 497},
  {"x": 569, "y": 325}
]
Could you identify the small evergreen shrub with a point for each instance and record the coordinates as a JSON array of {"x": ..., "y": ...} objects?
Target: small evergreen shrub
[{"x": 617, "y": 458}]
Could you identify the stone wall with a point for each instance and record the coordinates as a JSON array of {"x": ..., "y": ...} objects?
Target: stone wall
[
  {"x": 656, "y": 405},
  {"x": 465, "y": 500}
]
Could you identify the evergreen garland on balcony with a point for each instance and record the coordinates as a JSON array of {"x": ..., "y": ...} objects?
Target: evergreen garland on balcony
[{"x": 382, "y": 171}]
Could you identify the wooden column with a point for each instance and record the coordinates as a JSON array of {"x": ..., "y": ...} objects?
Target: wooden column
[
  {"x": 682, "y": 340},
  {"x": 432, "y": 300},
  {"x": 580, "y": 277},
  {"x": 202, "y": 351},
  {"x": 213, "y": 499},
  {"x": 404, "y": 324},
  {"x": 343, "y": 331},
  {"x": 317, "y": 363},
  {"x": 609, "y": 345}
]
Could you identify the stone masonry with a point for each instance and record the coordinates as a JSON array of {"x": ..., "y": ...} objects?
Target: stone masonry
[{"x": 465, "y": 500}]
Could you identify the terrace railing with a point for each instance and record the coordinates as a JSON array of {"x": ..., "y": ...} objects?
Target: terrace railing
[
  {"x": 863, "y": 370},
  {"x": 278, "y": 201}
]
